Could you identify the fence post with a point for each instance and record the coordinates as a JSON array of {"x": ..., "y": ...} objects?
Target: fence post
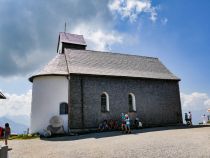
[{"x": 4, "y": 152}]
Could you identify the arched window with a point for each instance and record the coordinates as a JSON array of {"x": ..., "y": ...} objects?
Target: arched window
[
  {"x": 104, "y": 102},
  {"x": 63, "y": 108},
  {"x": 131, "y": 102}
]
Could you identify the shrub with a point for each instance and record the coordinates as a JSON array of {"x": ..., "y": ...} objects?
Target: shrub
[{"x": 24, "y": 136}]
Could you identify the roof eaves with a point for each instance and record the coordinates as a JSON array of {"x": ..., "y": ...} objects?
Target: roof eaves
[
  {"x": 168, "y": 79},
  {"x": 2, "y": 96},
  {"x": 40, "y": 75}
]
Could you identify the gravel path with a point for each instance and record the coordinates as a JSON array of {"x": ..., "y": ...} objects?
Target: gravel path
[{"x": 153, "y": 142}]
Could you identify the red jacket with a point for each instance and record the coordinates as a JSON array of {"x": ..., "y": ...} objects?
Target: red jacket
[{"x": 1, "y": 132}]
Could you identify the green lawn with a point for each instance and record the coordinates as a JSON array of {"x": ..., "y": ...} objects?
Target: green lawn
[{"x": 23, "y": 136}]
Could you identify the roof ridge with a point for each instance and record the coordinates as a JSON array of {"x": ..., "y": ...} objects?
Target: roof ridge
[
  {"x": 71, "y": 33},
  {"x": 115, "y": 53}
]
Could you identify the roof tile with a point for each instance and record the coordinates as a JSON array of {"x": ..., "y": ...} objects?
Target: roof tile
[{"x": 106, "y": 63}]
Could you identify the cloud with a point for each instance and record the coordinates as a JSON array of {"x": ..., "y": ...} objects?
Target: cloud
[
  {"x": 195, "y": 101},
  {"x": 29, "y": 30},
  {"x": 16, "y": 105},
  {"x": 207, "y": 103},
  {"x": 164, "y": 21},
  {"x": 131, "y": 9},
  {"x": 97, "y": 38}
]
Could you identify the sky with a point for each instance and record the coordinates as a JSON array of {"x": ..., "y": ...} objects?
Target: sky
[{"x": 175, "y": 31}]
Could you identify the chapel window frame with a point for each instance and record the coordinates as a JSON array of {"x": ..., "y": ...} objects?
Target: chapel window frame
[
  {"x": 131, "y": 102},
  {"x": 63, "y": 108},
  {"x": 105, "y": 102}
]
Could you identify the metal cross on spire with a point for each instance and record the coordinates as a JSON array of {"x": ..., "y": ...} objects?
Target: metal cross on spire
[{"x": 65, "y": 27}]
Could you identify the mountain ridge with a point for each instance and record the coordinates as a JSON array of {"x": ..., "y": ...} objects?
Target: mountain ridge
[{"x": 16, "y": 128}]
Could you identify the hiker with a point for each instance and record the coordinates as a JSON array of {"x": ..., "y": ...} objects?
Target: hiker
[
  {"x": 115, "y": 125},
  {"x": 1, "y": 132},
  {"x": 204, "y": 119},
  {"x": 7, "y": 133},
  {"x": 123, "y": 124},
  {"x": 136, "y": 123},
  {"x": 190, "y": 117},
  {"x": 111, "y": 124},
  {"x": 103, "y": 126},
  {"x": 127, "y": 120},
  {"x": 186, "y": 118},
  {"x": 100, "y": 127}
]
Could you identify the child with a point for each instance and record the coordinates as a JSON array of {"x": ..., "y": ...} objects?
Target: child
[
  {"x": 7, "y": 132},
  {"x": 123, "y": 127}
]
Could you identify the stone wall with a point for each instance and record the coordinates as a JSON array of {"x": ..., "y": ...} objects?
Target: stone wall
[{"x": 157, "y": 101}]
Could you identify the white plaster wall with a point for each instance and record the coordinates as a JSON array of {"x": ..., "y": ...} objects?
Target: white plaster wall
[{"x": 47, "y": 94}]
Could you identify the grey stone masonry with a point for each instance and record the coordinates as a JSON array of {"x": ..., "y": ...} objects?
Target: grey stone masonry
[{"x": 157, "y": 101}]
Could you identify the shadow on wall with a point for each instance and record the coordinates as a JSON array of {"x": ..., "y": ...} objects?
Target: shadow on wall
[{"x": 99, "y": 135}]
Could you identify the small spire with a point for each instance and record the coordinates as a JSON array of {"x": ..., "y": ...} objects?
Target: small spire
[{"x": 65, "y": 27}]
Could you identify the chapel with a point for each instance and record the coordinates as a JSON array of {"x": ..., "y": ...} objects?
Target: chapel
[{"x": 85, "y": 87}]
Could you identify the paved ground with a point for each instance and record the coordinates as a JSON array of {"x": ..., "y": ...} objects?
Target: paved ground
[{"x": 153, "y": 142}]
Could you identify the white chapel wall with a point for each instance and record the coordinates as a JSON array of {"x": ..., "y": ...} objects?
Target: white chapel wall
[{"x": 48, "y": 92}]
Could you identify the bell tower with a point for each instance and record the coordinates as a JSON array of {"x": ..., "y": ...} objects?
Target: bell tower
[{"x": 71, "y": 41}]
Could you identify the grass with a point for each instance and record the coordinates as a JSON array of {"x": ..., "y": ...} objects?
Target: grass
[{"x": 23, "y": 137}]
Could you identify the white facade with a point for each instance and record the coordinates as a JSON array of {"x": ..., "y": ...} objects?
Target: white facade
[{"x": 48, "y": 92}]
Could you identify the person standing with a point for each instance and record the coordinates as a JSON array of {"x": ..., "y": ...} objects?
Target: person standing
[
  {"x": 7, "y": 133},
  {"x": 190, "y": 117},
  {"x": 204, "y": 119},
  {"x": 127, "y": 120},
  {"x": 1, "y": 132},
  {"x": 187, "y": 119},
  {"x": 123, "y": 125}
]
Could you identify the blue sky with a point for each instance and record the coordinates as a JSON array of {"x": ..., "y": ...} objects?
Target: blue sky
[{"x": 175, "y": 31}]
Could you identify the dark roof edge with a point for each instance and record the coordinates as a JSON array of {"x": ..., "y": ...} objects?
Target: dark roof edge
[
  {"x": 75, "y": 44},
  {"x": 32, "y": 77},
  {"x": 2, "y": 96},
  {"x": 168, "y": 69},
  {"x": 58, "y": 42},
  {"x": 177, "y": 79}
]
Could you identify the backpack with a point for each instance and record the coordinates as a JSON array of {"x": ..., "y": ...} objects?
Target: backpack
[{"x": 1, "y": 132}]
